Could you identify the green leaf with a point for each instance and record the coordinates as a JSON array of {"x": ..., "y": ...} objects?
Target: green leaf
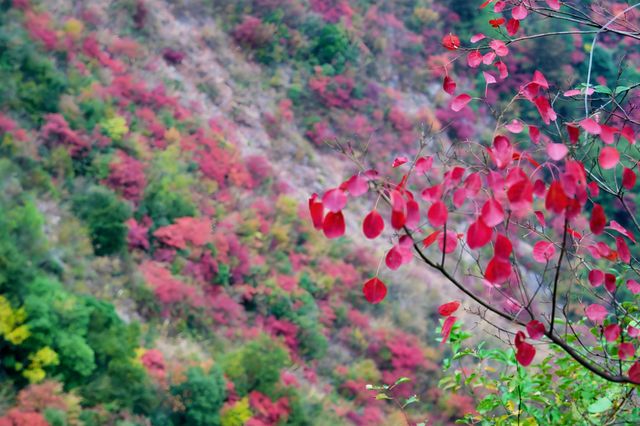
[
  {"x": 621, "y": 89},
  {"x": 411, "y": 400},
  {"x": 382, "y": 396},
  {"x": 602, "y": 89},
  {"x": 401, "y": 380},
  {"x": 601, "y": 405}
]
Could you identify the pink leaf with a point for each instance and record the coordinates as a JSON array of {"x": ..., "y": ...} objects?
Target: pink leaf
[
  {"x": 515, "y": 126},
  {"x": 424, "y": 164},
  {"x": 554, "y": 4},
  {"x": 596, "y": 313},
  {"x": 519, "y": 12},
  {"x": 633, "y": 286},
  {"x": 557, "y": 151},
  {"x": 334, "y": 200},
  {"x": 474, "y": 59},
  {"x": 609, "y": 157},
  {"x": 543, "y": 251},
  {"x": 357, "y": 185},
  {"x": 476, "y": 38},
  {"x": 590, "y": 126},
  {"x": 492, "y": 213}
]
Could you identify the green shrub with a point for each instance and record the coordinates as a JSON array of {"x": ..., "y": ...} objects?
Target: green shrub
[
  {"x": 256, "y": 366},
  {"x": 105, "y": 215},
  {"x": 202, "y": 396}
]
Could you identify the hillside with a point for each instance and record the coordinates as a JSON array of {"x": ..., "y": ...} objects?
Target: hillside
[{"x": 158, "y": 263}]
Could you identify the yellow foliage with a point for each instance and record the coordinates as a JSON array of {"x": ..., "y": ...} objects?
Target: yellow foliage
[
  {"x": 115, "y": 127},
  {"x": 426, "y": 15},
  {"x": 11, "y": 327},
  {"x": 236, "y": 415},
  {"x": 74, "y": 28},
  {"x": 42, "y": 358}
]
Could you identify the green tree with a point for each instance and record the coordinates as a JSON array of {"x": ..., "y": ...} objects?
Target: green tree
[{"x": 202, "y": 396}]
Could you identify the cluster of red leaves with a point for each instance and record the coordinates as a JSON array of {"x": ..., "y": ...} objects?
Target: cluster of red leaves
[
  {"x": 127, "y": 176},
  {"x": 266, "y": 411},
  {"x": 507, "y": 190},
  {"x": 56, "y": 131}
]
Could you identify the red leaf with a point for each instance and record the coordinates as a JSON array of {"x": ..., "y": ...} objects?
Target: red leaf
[
  {"x": 596, "y": 277},
  {"x": 437, "y": 214},
  {"x": 633, "y": 332},
  {"x": 534, "y": 134},
  {"x": 334, "y": 200},
  {"x": 447, "y": 325},
  {"x": 574, "y": 133},
  {"x": 373, "y": 225},
  {"x": 626, "y": 350},
  {"x": 498, "y": 271},
  {"x": 628, "y": 134},
  {"x": 495, "y": 23},
  {"x": 611, "y": 332},
  {"x": 544, "y": 108},
  {"x": 333, "y": 225},
  {"x": 478, "y": 235},
  {"x": 513, "y": 25},
  {"x": 628, "y": 178},
  {"x": 556, "y": 200},
  {"x": 598, "y": 219},
  {"x": 557, "y": 151},
  {"x": 596, "y": 313},
  {"x": 448, "y": 85},
  {"x": 525, "y": 354},
  {"x": 503, "y": 247},
  {"x": 399, "y": 161},
  {"x": 543, "y": 251},
  {"x": 431, "y": 238},
  {"x": 460, "y": 102},
  {"x": 398, "y": 210},
  {"x": 623, "y": 250},
  {"x": 634, "y": 372},
  {"x": 447, "y": 309},
  {"x": 608, "y": 158},
  {"x": 610, "y": 282},
  {"x": 519, "y": 12},
  {"x": 535, "y": 329},
  {"x": 451, "y": 42},
  {"x": 316, "y": 209},
  {"x": 374, "y": 290}
]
